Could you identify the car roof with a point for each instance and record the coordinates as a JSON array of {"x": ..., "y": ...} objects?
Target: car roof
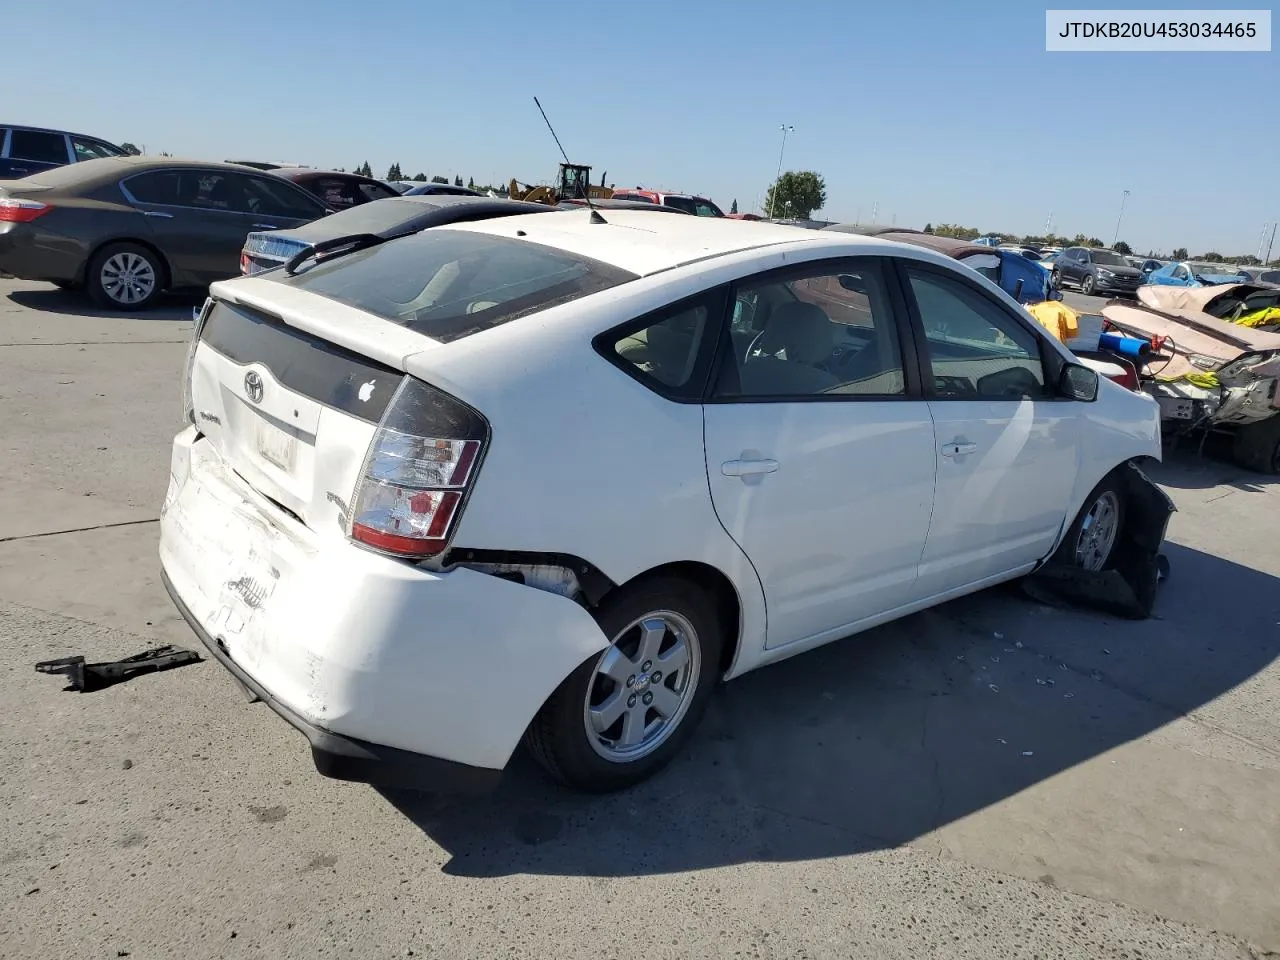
[
  {"x": 306, "y": 173},
  {"x": 70, "y": 133},
  {"x": 641, "y": 243}
]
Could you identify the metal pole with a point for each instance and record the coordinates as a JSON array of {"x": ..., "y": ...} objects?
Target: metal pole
[
  {"x": 1262, "y": 241},
  {"x": 1123, "y": 197},
  {"x": 874, "y": 211},
  {"x": 1273, "y": 240},
  {"x": 773, "y": 195}
]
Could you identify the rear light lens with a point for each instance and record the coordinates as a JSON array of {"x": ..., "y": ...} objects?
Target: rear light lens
[
  {"x": 13, "y": 210},
  {"x": 421, "y": 465},
  {"x": 244, "y": 263},
  {"x": 188, "y": 402}
]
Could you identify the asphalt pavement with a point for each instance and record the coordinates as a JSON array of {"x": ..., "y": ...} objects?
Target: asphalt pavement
[{"x": 993, "y": 778}]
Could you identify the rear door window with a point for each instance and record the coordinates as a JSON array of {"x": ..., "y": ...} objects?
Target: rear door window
[
  {"x": 86, "y": 149},
  {"x": 38, "y": 146},
  {"x": 449, "y": 284},
  {"x": 376, "y": 191},
  {"x": 336, "y": 192},
  {"x": 270, "y": 198},
  {"x": 680, "y": 203}
]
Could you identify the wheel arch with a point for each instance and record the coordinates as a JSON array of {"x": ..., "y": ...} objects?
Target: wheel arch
[
  {"x": 716, "y": 584},
  {"x": 165, "y": 267},
  {"x": 1086, "y": 484}
]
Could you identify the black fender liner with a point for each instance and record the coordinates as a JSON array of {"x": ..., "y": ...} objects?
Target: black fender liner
[{"x": 1128, "y": 589}]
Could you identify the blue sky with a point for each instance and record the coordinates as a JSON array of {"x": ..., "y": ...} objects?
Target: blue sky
[{"x": 942, "y": 112}]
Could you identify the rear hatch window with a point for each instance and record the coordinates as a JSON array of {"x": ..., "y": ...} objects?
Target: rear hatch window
[{"x": 448, "y": 284}]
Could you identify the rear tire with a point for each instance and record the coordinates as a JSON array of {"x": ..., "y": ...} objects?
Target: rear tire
[
  {"x": 125, "y": 276},
  {"x": 1055, "y": 279},
  {"x": 619, "y": 717},
  {"x": 1091, "y": 541},
  {"x": 1257, "y": 445}
]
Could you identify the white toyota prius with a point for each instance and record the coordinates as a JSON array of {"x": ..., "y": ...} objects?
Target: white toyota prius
[{"x": 551, "y": 478}]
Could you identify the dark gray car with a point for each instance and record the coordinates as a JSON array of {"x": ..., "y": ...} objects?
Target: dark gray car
[
  {"x": 1096, "y": 270},
  {"x": 127, "y": 229}
]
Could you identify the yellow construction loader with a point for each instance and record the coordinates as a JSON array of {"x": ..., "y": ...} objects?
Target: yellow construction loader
[{"x": 573, "y": 182}]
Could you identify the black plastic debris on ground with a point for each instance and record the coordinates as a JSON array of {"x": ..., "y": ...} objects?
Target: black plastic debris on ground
[
  {"x": 1128, "y": 588},
  {"x": 88, "y": 677}
]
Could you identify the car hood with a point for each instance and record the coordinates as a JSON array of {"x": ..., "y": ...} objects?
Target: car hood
[
  {"x": 1192, "y": 333},
  {"x": 1125, "y": 271},
  {"x": 1196, "y": 299}
]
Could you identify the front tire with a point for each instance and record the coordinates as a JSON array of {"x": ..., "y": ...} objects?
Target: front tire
[
  {"x": 1256, "y": 446},
  {"x": 1087, "y": 285},
  {"x": 125, "y": 276},
  {"x": 1091, "y": 541},
  {"x": 623, "y": 715}
]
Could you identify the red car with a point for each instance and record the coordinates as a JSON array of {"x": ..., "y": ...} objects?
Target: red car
[
  {"x": 338, "y": 191},
  {"x": 698, "y": 206}
]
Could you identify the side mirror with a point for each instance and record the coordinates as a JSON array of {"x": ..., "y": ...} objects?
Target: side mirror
[
  {"x": 852, "y": 283},
  {"x": 1078, "y": 382}
]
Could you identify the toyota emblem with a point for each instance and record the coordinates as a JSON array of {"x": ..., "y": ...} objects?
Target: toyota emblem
[{"x": 253, "y": 385}]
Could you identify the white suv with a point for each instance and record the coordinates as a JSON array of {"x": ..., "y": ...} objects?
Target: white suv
[{"x": 552, "y": 477}]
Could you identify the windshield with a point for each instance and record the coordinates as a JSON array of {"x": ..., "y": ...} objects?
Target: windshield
[
  {"x": 449, "y": 284},
  {"x": 1214, "y": 269},
  {"x": 1107, "y": 258}
]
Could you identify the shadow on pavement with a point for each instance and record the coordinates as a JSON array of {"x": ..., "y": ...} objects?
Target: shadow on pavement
[
  {"x": 877, "y": 740},
  {"x": 76, "y": 303},
  {"x": 1188, "y": 466}
]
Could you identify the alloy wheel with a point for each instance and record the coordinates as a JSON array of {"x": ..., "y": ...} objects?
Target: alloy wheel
[
  {"x": 1098, "y": 532},
  {"x": 128, "y": 278},
  {"x": 642, "y": 686}
]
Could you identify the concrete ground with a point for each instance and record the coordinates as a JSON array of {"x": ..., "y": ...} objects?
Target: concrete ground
[{"x": 989, "y": 779}]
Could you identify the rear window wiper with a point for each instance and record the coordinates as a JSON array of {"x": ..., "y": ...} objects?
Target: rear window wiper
[{"x": 351, "y": 243}]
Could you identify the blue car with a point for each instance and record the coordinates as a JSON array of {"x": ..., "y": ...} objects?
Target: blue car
[
  {"x": 1022, "y": 278},
  {"x": 1188, "y": 273}
]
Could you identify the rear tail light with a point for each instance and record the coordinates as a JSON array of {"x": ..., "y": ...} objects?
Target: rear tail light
[
  {"x": 13, "y": 210},
  {"x": 1128, "y": 379},
  {"x": 244, "y": 262},
  {"x": 188, "y": 403},
  {"x": 419, "y": 469}
]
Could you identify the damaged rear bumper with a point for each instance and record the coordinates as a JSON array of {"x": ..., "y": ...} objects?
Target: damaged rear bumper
[
  {"x": 345, "y": 758},
  {"x": 396, "y": 674}
]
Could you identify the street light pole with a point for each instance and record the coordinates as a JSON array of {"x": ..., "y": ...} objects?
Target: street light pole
[
  {"x": 773, "y": 194},
  {"x": 1124, "y": 196}
]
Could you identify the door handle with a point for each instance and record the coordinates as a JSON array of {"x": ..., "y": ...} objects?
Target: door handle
[
  {"x": 957, "y": 448},
  {"x": 747, "y": 468},
  {"x": 157, "y": 213},
  {"x": 265, "y": 226}
]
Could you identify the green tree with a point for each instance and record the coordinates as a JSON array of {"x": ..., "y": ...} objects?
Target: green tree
[
  {"x": 439, "y": 179},
  {"x": 471, "y": 183},
  {"x": 734, "y": 208},
  {"x": 130, "y": 149},
  {"x": 928, "y": 228},
  {"x": 457, "y": 181},
  {"x": 364, "y": 170},
  {"x": 393, "y": 172},
  {"x": 1180, "y": 253},
  {"x": 420, "y": 178},
  {"x": 956, "y": 231},
  {"x": 1122, "y": 248},
  {"x": 796, "y": 194}
]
